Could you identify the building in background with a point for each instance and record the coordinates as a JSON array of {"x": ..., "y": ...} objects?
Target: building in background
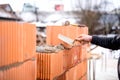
[
  {"x": 69, "y": 5},
  {"x": 50, "y": 5}
]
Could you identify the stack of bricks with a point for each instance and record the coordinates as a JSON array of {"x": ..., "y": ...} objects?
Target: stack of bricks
[
  {"x": 72, "y": 63},
  {"x": 17, "y": 51}
]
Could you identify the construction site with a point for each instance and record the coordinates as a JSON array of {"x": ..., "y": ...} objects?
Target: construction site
[{"x": 36, "y": 49}]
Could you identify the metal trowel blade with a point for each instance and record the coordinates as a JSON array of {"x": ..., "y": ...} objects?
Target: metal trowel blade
[{"x": 66, "y": 39}]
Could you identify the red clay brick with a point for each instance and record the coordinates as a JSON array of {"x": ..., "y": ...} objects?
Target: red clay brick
[
  {"x": 49, "y": 65},
  {"x": 18, "y": 41}
]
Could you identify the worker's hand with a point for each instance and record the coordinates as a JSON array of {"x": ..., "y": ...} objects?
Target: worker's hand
[{"x": 84, "y": 38}]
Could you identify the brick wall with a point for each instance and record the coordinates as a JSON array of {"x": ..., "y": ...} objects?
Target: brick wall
[
  {"x": 74, "y": 65},
  {"x": 17, "y": 51}
]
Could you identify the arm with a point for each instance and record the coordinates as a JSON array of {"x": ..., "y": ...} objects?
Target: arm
[{"x": 110, "y": 43}]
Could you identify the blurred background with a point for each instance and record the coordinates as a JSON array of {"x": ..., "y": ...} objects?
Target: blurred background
[{"x": 102, "y": 17}]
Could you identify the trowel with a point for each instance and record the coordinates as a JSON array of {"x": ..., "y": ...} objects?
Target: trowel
[
  {"x": 66, "y": 39},
  {"x": 70, "y": 41}
]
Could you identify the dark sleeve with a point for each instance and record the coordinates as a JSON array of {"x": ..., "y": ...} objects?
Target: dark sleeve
[{"x": 110, "y": 43}]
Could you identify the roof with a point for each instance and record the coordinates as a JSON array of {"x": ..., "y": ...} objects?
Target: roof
[{"x": 7, "y": 12}]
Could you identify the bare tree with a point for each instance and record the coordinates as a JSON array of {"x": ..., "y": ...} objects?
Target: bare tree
[{"x": 91, "y": 13}]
